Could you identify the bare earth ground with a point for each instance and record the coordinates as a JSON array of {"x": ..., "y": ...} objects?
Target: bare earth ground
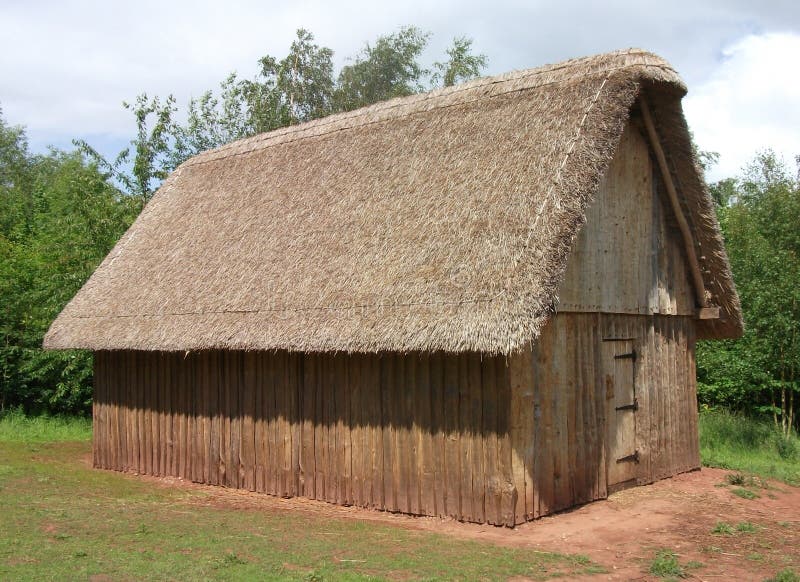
[{"x": 622, "y": 533}]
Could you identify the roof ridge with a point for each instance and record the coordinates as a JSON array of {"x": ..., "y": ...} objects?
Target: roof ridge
[{"x": 441, "y": 97}]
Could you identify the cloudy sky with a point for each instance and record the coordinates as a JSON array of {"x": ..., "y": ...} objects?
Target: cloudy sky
[{"x": 68, "y": 65}]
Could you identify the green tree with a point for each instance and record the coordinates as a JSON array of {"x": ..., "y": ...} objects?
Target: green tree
[
  {"x": 70, "y": 218},
  {"x": 461, "y": 64},
  {"x": 760, "y": 218},
  {"x": 299, "y": 87},
  {"x": 389, "y": 68},
  {"x": 139, "y": 174}
]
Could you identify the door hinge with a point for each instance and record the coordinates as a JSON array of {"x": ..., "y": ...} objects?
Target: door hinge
[
  {"x": 634, "y": 457},
  {"x": 629, "y": 356},
  {"x": 633, "y": 406}
]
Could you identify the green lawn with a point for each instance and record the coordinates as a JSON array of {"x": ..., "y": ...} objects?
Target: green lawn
[
  {"x": 736, "y": 442},
  {"x": 60, "y": 519}
]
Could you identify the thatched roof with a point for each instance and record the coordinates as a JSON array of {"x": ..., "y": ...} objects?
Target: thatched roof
[{"x": 439, "y": 221}]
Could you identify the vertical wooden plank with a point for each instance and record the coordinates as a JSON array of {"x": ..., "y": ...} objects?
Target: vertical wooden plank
[
  {"x": 422, "y": 417},
  {"x": 543, "y": 442},
  {"x": 436, "y": 387},
  {"x": 123, "y": 374},
  {"x": 357, "y": 392},
  {"x": 147, "y": 420},
  {"x": 237, "y": 373},
  {"x": 217, "y": 408},
  {"x": 248, "y": 446},
  {"x": 308, "y": 405},
  {"x": 154, "y": 406},
  {"x": 521, "y": 407},
  {"x": 287, "y": 388},
  {"x": 272, "y": 412},
  {"x": 575, "y": 462},
  {"x": 180, "y": 415},
  {"x": 97, "y": 430},
  {"x": 169, "y": 408},
  {"x": 281, "y": 432},
  {"x": 331, "y": 472},
  {"x": 479, "y": 431},
  {"x": 467, "y": 435},
  {"x": 294, "y": 386},
  {"x": 402, "y": 445},
  {"x": 374, "y": 388},
  {"x": 414, "y": 436},
  {"x": 389, "y": 424},
  {"x": 492, "y": 478},
  {"x": 204, "y": 386},
  {"x": 320, "y": 432},
  {"x": 344, "y": 461},
  {"x": 457, "y": 447},
  {"x": 692, "y": 396},
  {"x": 508, "y": 491},
  {"x": 259, "y": 432},
  {"x": 164, "y": 424},
  {"x": 194, "y": 379}
]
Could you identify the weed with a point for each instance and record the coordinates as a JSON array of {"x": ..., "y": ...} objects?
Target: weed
[
  {"x": 711, "y": 550},
  {"x": 745, "y": 493},
  {"x": 735, "y": 478},
  {"x": 694, "y": 565},
  {"x": 746, "y": 527},
  {"x": 722, "y": 528},
  {"x": 787, "y": 575},
  {"x": 228, "y": 560},
  {"x": 142, "y": 530},
  {"x": 755, "y": 557},
  {"x": 665, "y": 565}
]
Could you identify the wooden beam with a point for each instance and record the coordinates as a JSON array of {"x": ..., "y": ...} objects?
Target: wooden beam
[
  {"x": 708, "y": 313},
  {"x": 688, "y": 240}
]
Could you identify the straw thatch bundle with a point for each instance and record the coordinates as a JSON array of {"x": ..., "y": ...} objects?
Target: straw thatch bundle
[{"x": 440, "y": 221}]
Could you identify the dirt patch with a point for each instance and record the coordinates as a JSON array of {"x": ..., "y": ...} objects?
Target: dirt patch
[{"x": 622, "y": 533}]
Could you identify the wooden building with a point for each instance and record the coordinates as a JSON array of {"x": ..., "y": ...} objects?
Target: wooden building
[{"x": 480, "y": 302}]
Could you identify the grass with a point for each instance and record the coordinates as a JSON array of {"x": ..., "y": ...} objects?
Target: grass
[
  {"x": 61, "y": 519},
  {"x": 15, "y": 427},
  {"x": 745, "y": 493},
  {"x": 722, "y": 528},
  {"x": 747, "y": 445},
  {"x": 666, "y": 565},
  {"x": 746, "y": 527},
  {"x": 787, "y": 575}
]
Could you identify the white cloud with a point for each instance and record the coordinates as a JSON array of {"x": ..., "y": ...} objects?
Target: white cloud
[
  {"x": 68, "y": 64},
  {"x": 750, "y": 102}
]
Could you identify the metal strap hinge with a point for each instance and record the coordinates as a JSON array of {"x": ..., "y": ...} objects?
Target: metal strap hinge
[
  {"x": 634, "y": 457},
  {"x": 632, "y": 406},
  {"x": 629, "y": 356}
]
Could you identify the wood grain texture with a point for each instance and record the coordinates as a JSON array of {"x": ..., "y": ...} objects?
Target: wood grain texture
[
  {"x": 475, "y": 438},
  {"x": 629, "y": 257}
]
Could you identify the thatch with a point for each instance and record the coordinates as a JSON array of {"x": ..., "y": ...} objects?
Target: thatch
[{"x": 439, "y": 221}]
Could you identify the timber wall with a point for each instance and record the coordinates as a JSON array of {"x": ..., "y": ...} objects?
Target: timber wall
[
  {"x": 561, "y": 406},
  {"x": 488, "y": 440},
  {"x": 417, "y": 434}
]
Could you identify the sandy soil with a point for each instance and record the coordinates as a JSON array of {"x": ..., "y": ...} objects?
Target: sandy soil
[{"x": 622, "y": 533}]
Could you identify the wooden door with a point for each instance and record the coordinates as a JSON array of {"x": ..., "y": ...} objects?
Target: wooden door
[{"x": 619, "y": 362}]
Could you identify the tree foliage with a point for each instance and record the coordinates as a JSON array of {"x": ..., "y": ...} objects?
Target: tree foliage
[
  {"x": 760, "y": 217},
  {"x": 296, "y": 88},
  {"x": 461, "y": 65},
  {"x": 59, "y": 218}
]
